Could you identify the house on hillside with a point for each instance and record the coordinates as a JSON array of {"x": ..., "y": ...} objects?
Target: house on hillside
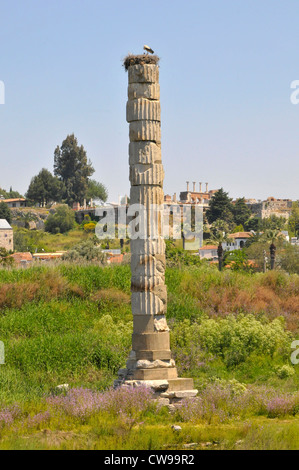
[
  {"x": 6, "y": 235},
  {"x": 22, "y": 259},
  {"x": 16, "y": 202},
  {"x": 236, "y": 241},
  {"x": 208, "y": 252}
]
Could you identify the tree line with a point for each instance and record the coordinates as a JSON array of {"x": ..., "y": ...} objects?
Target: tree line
[{"x": 71, "y": 181}]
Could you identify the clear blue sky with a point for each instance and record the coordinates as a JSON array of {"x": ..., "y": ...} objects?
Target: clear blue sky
[{"x": 225, "y": 73}]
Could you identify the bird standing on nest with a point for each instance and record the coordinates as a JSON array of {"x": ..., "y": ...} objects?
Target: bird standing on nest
[{"x": 148, "y": 49}]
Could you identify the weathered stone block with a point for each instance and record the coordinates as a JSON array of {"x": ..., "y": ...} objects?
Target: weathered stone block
[
  {"x": 145, "y": 130},
  {"x": 143, "y": 324},
  {"x": 147, "y": 265},
  {"x": 154, "y": 374},
  {"x": 139, "y": 283},
  {"x": 147, "y": 303},
  {"x": 161, "y": 292},
  {"x": 155, "y": 385},
  {"x": 150, "y": 341},
  {"x": 185, "y": 393},
  {"x": 146, "y": 364},
  {"x": 150, "y": 324},
  {"x": 151, "y": 174},
  {"x": 146, "y": 73},
  {"x": 150, "y": 91},
  {"x": 149, "y": 247},
  {"x": 160, "y": 323},
  {"x": 163, "y": 402},
  {"x": 145, "y": 153},
  {"x": 146, "y": 195},
  {"x": 152, "y": 355},
  {"x": 180, "y": 384},
  {"x": 143, "y": 109}
]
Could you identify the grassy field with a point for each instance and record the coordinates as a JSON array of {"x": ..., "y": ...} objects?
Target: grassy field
[{"x": 231, "y": 332}]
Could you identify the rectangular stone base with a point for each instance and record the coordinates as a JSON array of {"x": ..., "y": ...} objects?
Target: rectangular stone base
[
  {"x": 178, "y": 384},
  {"x": 162, "y": 354},
  {"x": 155, "y": 374},
  {"x": 150, "y": 341}
]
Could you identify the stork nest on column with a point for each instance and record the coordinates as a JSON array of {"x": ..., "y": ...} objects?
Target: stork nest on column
[{"x": 140, "y": 60}]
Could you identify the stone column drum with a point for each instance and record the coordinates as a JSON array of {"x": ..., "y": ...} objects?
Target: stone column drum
[{"x": 150, "y": 360}]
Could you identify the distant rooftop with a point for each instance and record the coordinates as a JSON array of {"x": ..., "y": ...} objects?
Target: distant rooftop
[
  {"x": 209, "y": 247},
  {"x": 18, "y": 199},
  {"x": 4, "y": 225},
  {"x": 240, "y": 235}
]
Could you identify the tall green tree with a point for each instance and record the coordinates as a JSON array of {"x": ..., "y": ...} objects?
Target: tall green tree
[
  {"x": 272, "y": 236},
  {"x": 273, "y": 223},
  {"x": 96, "y": 190},
  {"x": 73, "y": 168},
  {"x": 5, "y": 212},
  {"x": 44, "y": 188},
  {"x": 253, "y": 223},
  {"x": 220, "y": 207},
  {"x": 241, "y": 211},
  {"x": 219, "y": 234}
]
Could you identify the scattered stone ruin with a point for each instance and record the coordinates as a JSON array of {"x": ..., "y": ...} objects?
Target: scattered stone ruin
[{"x": 150, "y": 362}]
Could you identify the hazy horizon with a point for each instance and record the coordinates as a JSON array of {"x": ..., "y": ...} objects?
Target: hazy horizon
[{"x": 226, "y": 70}]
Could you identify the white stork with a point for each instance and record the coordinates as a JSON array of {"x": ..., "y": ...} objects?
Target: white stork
[{"x": 148, "y": 49}]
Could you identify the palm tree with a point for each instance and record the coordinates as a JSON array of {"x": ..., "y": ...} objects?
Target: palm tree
[
  {"x": 219, "y": 235},
  {"x": 272, "y": 236}
]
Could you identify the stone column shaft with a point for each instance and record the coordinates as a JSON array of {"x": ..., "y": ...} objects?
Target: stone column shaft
[{"x": 150, "y": 359}]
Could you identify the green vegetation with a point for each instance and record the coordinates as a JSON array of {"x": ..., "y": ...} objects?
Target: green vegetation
[
  {"x": 38, "y": 240},
  {"x": 62, "y": 221},
  {"x": 71, "y": 181},
  {"x": 44, "y": 188},
  {"x": 85, "y": 251},
  {"x": 5, "y": 212},
  {"x": 72, "y": 323},
  {"x": 221, "y": 207},
  {"x": 10, "y": 194},
  {"x": 96, "y": 190},
  {"x": 294, "y": 220},
  {"x": 73, "y": 169}
]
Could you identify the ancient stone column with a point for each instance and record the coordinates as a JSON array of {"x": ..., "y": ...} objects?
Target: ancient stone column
[{"x": 150, "y": 360}]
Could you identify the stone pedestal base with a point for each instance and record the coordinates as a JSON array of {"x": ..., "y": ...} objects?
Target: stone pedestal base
[{"x": 168, "y": 392}]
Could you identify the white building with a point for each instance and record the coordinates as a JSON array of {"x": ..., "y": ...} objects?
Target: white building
[
  {"x": 15, "y": 202},
  {"x": 6, "y": 235},
  {"x": 236, "y": 241},
  {"x": 208, "y": 252}
]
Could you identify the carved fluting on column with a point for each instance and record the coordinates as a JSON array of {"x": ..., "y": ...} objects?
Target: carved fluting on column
[
  {"x": 145, "y": 130},
  {"x": 140, "y": 109},
  {"x": 150, "y": 359},
  {"x": 151, "y": 174}
]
